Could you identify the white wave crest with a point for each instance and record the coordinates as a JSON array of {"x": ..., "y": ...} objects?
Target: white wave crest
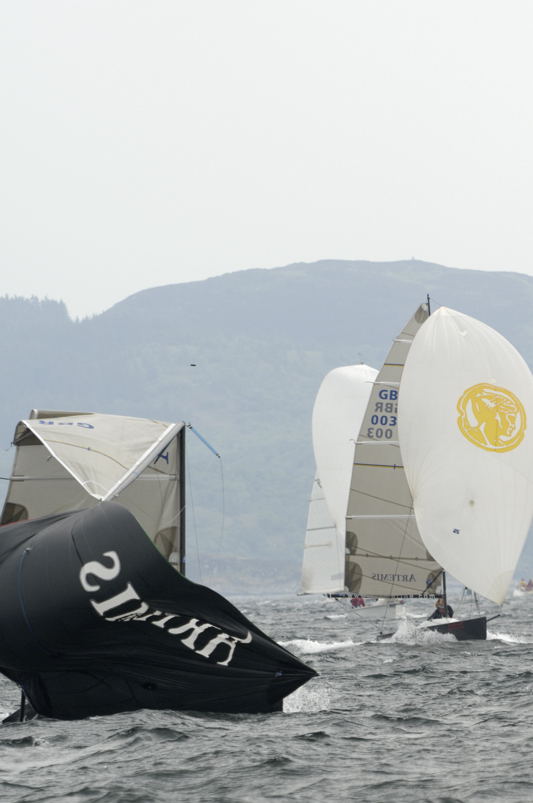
[
  {"x": 409, "y": 633},
  {"x": 307, "y": 698},
  {"x": 309, "y": 647},
  {"x": 507, "y": 639}
]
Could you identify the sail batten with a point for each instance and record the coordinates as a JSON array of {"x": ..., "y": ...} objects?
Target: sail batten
[{"x": 381, "y": 516}]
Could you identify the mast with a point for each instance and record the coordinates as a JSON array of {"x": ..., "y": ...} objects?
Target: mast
[
  {"x": 444, "y": 595},
  {"x": 181, "y": 503}
]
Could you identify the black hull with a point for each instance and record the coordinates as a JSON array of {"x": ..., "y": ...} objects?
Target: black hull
[{"x": 465, "y": 629}]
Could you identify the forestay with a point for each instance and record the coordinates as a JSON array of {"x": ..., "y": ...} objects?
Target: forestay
[
  {"x": 385, "y": 556},
  {"x": 337, "y": 414},
  {"x": 466, "y": 407},
  {"x": 68, "y": 461}
]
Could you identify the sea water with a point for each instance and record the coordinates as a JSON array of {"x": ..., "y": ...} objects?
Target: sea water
[{"x": 418, "y": 717}]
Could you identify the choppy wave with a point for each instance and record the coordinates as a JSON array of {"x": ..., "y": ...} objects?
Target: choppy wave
[{"x": 413, "y": 718}]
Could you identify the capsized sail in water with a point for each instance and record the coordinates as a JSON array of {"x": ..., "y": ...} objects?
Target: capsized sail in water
[
  {"x": 95, "y": 619},
  {"x": 465, "y": 412}
]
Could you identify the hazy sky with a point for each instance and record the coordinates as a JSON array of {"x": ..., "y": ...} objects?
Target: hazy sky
[{"x": 147, "y": 142}]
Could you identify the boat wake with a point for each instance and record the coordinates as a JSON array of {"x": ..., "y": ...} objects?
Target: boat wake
[
  {"x": 311, "y": 699},
  {"x": 409, "y": 633},
  {"x": 507, "y": 639},
  {"x": 310, "y": 647}
]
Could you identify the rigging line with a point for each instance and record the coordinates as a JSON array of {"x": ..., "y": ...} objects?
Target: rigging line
[
  {"x": 223, "y": 491},
  {"x": 223, "y": 511},
  {"x": 411, "y": 561},
  {"x": 204, "y": 441},
  {"x": 379, "y": 465},
  {"x": 379, "y": 499},
  {"x": 22, "y": 705}
]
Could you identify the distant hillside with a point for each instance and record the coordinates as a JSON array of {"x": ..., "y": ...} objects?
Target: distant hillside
[{"x": 240, "y": 356}]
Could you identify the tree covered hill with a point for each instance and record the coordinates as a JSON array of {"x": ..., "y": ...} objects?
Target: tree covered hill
[{"x": 241, "y": 357}]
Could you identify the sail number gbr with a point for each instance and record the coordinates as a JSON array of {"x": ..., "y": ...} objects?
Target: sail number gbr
[{"x": 384, "y": 416}]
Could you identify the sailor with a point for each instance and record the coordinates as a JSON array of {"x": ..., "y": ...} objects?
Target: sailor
[{"x": 442, "y": 610}]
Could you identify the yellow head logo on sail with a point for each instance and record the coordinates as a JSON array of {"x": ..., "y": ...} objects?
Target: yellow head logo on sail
[{"x": 491, "y": 417}]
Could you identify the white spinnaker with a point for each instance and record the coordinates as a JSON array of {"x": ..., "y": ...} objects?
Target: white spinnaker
[
  {"x": 337, "y": 414},
  {"x": 466, "y": 437}
]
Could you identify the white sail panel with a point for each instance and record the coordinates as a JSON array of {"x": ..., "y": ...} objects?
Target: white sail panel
[
  {"x": 466, "y": 436},
  {"x": 385, "y": 555},
  {"x": 70, "y": 461},
  {"x": 337, "y": 415},
  {"x": 100, "y": 451},
  {"x": 323, "y": 559}
]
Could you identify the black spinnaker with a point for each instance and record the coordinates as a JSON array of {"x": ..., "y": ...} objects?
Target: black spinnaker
[{"x": 94, "y": 621}]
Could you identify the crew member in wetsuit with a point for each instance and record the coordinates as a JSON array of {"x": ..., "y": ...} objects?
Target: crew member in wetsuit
[{"x": 441, "y": 611}]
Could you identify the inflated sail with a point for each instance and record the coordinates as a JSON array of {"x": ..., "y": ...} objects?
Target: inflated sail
[
  {"x": 466, "y": 417},
  {"x": 95, "y": 621},
  {"x": 385, "y": 556},
  {"x": 337, "y": 414},
  {"x": 68, "y": 461}
]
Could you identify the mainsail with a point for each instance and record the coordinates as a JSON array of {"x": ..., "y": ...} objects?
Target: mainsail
[
  {"x": 68, "y": 461},
  {"x": 385, "y": 556},
  {"x": 466, "y": 416},
  {"x": 337, "y": 414}
]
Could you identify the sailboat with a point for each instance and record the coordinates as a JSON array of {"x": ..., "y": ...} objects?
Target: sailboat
[
  {"x": 374, "y": 550},
  {"x": 465, "y": 413},
  {"x": 387, "y": 550},
  {"x": 97, "y": 616}
]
